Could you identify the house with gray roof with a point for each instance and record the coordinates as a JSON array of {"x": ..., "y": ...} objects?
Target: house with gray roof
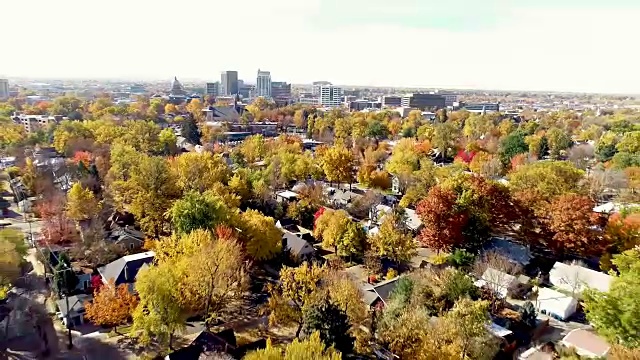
[
  {"x": 125, "y": 269},
  {"x": 380, "y": 293},
  {"x": 74, "y": 312},
  {"x": 299, "y": 248}
]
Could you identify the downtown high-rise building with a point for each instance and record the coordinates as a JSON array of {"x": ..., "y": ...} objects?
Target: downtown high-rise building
[
  {"x": 331, "y": 96},
  {"x": 229, "y": 83},
  {"x": 4, "y": 88},
  {"x": 212, "y": 88},
  {"x": 263, "y": 84}
]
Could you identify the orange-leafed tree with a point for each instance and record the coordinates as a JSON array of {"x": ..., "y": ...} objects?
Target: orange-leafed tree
[
  {"x": 112, "y": 305},
  {"x": 82, "y": 157},
  {"x": 573, "y": 226},
  {"x": 443, "y": 221},
  {"x": 623, "y": 232}
]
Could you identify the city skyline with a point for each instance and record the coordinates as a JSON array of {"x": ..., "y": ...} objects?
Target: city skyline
[{"x": 531, "y": 46}]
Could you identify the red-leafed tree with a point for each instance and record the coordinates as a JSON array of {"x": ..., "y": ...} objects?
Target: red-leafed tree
[
  {"x": 317, "y": 215},
  {"x": 573, "y": 226},
  {"x": 57, "y": 228},
  {"x": 96, "y": 282},
  {"x": 442, "y": 219},
  {"x": 82, "y": 157},
  {"x": 465, "y": 156}
]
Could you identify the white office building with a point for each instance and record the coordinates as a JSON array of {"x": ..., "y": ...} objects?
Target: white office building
[
  {"x": 4, "y": 88},
  {"x": 263, "y": 84},
  {"x": 331, "y": 96}
]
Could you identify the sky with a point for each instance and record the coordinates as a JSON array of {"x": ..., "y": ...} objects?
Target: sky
[{"x": 545, "y": 45}]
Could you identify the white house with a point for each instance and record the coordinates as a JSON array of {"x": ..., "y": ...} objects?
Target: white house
[
  {"x": 297, "y": 247},
  {"x": 556, "y": 304},
  {"x": 586, "y": 343},
  {"x": 575, "y": 278}
]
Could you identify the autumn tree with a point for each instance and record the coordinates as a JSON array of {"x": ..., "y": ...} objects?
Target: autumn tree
[
  {"x": 296, "y": 292},
  {"x": 393, "y": 240},
  {"x": 111, "y": 305},
  {"x": 442, "y": 220},
  {"x": 81, "y": 203},
  {"x": 336, "y": 229},
  {"x": 158, "y": 315},
  {"x": 259, "y": 234},
  {"x": 67, "y": 132},
  {"x": 547, "y": 178},
  {"x": 572, "y": 225},
  {"x": 151, "y": 190},
  {"x": 311, "y": 348},
  {"x": 199, "y": 171},
  {"x": 613, "y": 313},
  {"x": 12, "y": 251},
  {"x": 57, "y": 227},
  {"x": 559, "y": 141},
  {"x": 167, "y": 142},
  {"x": 337, "y": 163}
]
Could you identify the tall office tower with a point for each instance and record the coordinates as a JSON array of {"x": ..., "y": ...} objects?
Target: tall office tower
[
  {"x": 263, "y": 84},
  {"x": 4, "y": 88},
  {"x": 229, "y": 83},
  {"x": 316, "y": 85},
  {"x": 212, "y": 88},
  {"x": 331, "y": 96}
]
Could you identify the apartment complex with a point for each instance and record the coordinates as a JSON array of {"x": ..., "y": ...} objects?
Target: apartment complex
[
  {"x": 33, "y": 123},
  {"x": 263, "y": 84},
  {"x": 391, "y": 101},
  {"x": 331, "y": 96},
  {"x": 229, "y": 83},
  {"x": 423, "y": 101},
  {"x": 4, "y": 88}
]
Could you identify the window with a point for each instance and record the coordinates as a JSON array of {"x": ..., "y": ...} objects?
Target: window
[
  {"x": 86, "y": 284},
  {"x": 131, "y": 246}
]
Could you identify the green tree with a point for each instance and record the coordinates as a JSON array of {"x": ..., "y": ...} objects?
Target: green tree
[
  {"x": 198, "y": 211},
  {"x": 512, "y": 145},
  {"x": 559, "y": 140},
  {"x": 614, "y": 313},
  {"x": 332, "y": 323},
  {"x": 65, "y": 279},
  {"x": 167, "y": 140},
  {"x": 12, "y": 251},
  {"x": 190, "y": 131}
]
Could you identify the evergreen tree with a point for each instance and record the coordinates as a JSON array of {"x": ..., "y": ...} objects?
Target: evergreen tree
[
  {"x": 64, "y": 277},
  {"x": 190, "y": 131},
  {"x": 332, "y": 323}
]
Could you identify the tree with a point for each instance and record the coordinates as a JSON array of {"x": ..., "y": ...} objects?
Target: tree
[
  {"x": 613, "y": 313},
  {"x": 212, "y": 275},
  {"x": 512, "y": 145},
  {"x": 253, "y": 148},
  {"x": 405, "y": 159},
  {"x": 198, "y": 211},
  {"x": 573, "y": 225},
  {"x": 68, "y": 132},
  {"x": 152, "y": 190},
  {"x": 559, "y": 140},
  {"x": 442, "y": 220},
  {"x": 81, "y": 203},
  {"x": 111, "y": 305},
  {"x": 337, "y": 163},
  {"x": 190, "y": 131},
  {"x": 57, "y": 228},
  {"x": 167, "y": 142},
  {"x": 444, "y": 138},
  {"x": 12, "y": 251},
  {"x": 194, "y": 107},
  {"x": 331, "y": 323},
  {"x": 142, "y": 136},
  {"x": 486, "y": 164},
  {"x": 311, "y": 348},
  {"x": 297, "y": 290},
  {"x": 392, "y": 241},
  {"x": 630, "y": 142},
  {"x": 261, "y": 238},
  {"x": 547, "y": 178},
  {"x": 199, "y": 171},
  {"x": 158, "y": 314},
  {"x": 336, "y": 229},
  {"x": 65, "y": 279}
]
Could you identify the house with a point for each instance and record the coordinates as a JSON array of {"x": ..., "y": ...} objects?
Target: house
[
  {"x": 586, "y": 343},
  {"x": 380, "y": 293},
  {"x": 515, "y": 253},
  {"x": 497, "y": 281},
  {"x": 221, "y": 113},
  {"x": 413, "y": 221},
  {"x": 556, "y": 304},
  {"x": 223, "y": 342},
  {"x": 126, "y": 236},
  {"x": 125, "y": 269},
  {"x": 299, "y": 248},
  {"x": 72, "y": 309},
  {"x": 575, "y": 278},
  {"x": 396, "y": 188}
]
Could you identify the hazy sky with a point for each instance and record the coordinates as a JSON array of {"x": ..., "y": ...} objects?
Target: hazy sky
[{"x": 559, "y": 45}]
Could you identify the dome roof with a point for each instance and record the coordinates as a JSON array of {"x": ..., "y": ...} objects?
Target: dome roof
[{"x": 176, "y": 87}]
